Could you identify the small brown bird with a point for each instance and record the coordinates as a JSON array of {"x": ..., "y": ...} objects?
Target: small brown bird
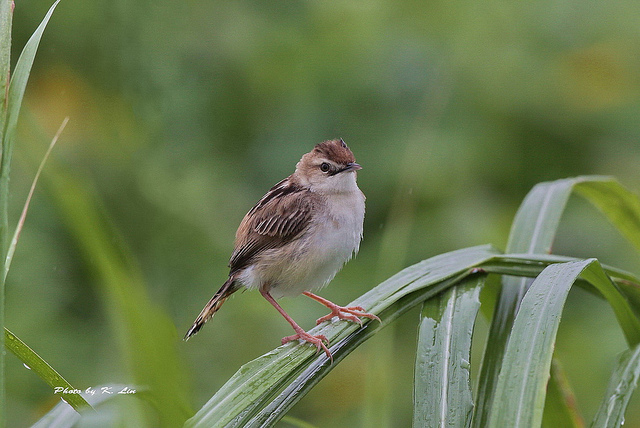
[{"x": 298, "y": 236}]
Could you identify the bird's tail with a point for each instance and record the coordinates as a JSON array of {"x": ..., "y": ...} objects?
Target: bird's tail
[{"x": 227, "y": 289}]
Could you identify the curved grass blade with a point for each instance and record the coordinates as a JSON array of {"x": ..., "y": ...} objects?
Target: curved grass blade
[
  {"x": 611, "y": 290},
  {"x": 521, "y": 387},
  {"x": 17, "y": 87},
  {"x": 627, "y": 318},
  {"x": 16, "y": 235},
  {"x": 532, "y": 264},
  {"x": 15, "y": 93},
  {"x": 622, "y": 383},
  {"x": 44, "y": 371},
  {"x": 293, "y": 368},
  {"x": 532, "y": 232},
  {"x": 10, "y": 102},
  {"x": 442, "y": 390},
  {"x": 622, "y": 209}
]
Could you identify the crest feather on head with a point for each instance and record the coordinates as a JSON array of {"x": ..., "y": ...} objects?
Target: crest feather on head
[{"x": 335, "y": 150}]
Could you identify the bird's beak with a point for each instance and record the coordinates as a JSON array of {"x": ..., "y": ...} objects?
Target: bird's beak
[{"x": 351, "y": 166}]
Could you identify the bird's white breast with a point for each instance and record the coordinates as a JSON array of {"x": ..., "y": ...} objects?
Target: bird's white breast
[
  {"x": 332, "y": 240},
  {"x": 310, "y": 261}
]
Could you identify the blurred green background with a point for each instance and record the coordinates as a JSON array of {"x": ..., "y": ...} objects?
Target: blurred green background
[{"x": 183, "y": 114}]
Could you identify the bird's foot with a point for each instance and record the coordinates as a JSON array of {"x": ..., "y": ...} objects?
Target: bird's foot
[
  {"x": 350, "y": 313},
  {"x": 318, "y": 340}
]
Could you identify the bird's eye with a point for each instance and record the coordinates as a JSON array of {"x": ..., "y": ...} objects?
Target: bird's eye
[{"x": 325, "y": 167}]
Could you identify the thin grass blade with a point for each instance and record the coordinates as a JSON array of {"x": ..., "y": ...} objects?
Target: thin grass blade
[
  {"x": 622, "y": 384},
  {"x": 17, "y": 86},
  {"x": 442, "y": 389},
  {"x": 11, "y": 93},
  {"x": 297, "y": 423},
  {"x": 16, "y": 235},
  {"x": 15, "y": 93},
  {"x": 6, "y": 15},
  {"x": 44, "y": 371}
]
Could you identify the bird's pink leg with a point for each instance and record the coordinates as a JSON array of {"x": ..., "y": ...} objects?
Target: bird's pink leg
[
  {"x": 351, "y": 313},
  {"x": 300, "y": 333}
]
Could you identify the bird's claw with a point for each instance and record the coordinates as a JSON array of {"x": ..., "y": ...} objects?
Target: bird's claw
[
  {"x": 318, "y": 340},
  {"x": 351, "y": 313}
]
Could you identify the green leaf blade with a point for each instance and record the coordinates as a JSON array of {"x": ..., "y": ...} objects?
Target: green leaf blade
[
  {"x": 6, "y": 13},
  {"x": 532, "y": 231},
  {"x": 247, "y": 398},
  {"x": 18, "y": 85},
  {"x": 442, "y": 390},
  {"x": 39, "y": 366},
  {"x": 521, "y": 387}
]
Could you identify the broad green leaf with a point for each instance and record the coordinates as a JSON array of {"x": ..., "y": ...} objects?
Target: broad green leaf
[
  {"x": 44, "y": 371},
  {"x": 609, "y": 288},
  {"x": 532, "y": 232},
  {"x": 623, "y": 382},
  {"x": 520, "y": 391},
  {"x": 289, "y": 371},
  {"x": 442, "y": 390},
  {"x": 310, "y": 376},
  {"x": 521, "y": 387},
  {"x": 263, "y": 390}
]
